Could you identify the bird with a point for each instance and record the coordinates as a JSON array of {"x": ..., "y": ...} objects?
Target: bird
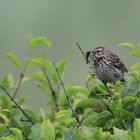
[{"x": 105, "y": 65}]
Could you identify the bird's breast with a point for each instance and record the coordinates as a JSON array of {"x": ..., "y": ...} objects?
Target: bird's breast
[{"x": 106, "y": 72}]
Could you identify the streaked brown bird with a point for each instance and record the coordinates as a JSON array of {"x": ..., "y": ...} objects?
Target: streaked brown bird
[{"x": 105, "y": 65}]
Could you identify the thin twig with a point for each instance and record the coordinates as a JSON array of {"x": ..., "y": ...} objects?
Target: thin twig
[
  {"x": 106, "y": 105},
  {"x": 21, "y": 77},
  {"x": 107, "y": 88},
  {"x": 51, "y": 89},
  {"x": 30, "y": 120},
  {"x": 84, "y": 117},
  {"x": 67, "y": 97},
  {"x": 20, "y": 81},
  {"x": 98, "y": 96},
  {"x": 81, "y": 50},
  {"x": 18, "y": 85}
]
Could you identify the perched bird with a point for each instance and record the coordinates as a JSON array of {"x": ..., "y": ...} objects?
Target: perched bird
[{"x": 105, "y": 65}]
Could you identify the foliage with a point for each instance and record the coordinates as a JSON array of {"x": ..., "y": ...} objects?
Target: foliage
[{"x": 57, "y": 121}]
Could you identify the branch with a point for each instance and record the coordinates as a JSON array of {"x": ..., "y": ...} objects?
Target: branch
[
  {"x": 51, "y": 89},
  {"x": 30, "y": 120},
  {"x": 81, "y": 51},
  {"x": 84, "y": 117},
  {"x": 21, "y": 77},
  {"x": 106, "y": 105},
  {"x": 67, "y": 97},
  {"x": 20, "y": 80}
]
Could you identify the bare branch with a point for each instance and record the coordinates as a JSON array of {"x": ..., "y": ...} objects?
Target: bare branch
[
  {"x": 20, "y": 80},
  {"x": 54, "y": 94},
  {"x": 30, "y": 120},
  {"x": 106, "y": 105},
  {"x": 84, "y": 117},
  {"x": 81, "y": 51},
  {"x": 67, "y": 97},
  {"x": 21, "y": 77}
]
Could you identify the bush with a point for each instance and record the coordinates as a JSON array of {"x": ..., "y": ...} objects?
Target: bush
[{"x": 74, "y": 112}]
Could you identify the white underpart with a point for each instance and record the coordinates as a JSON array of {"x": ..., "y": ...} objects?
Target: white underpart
[{"x": 108, "y": 74}]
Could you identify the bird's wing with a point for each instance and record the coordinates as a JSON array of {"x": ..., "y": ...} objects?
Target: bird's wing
[{"x": 116, "y": 62}]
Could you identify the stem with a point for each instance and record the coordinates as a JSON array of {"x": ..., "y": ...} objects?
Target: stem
[
  {"x": 84, "y": 117},
  {"x": 20, "y": 81},
  {"x": 67, "y": 97},
  {"x": 107, "y": 88},
  {"x": 30, "y": 120},
  {"x": 106, "y": 105},
  {"x": 51, "y": 89},
  {"x": 81, "y": 51},
  {"x": 21, "y": 77}
]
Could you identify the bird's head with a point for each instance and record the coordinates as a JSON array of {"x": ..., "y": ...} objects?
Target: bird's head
[
  {"x": 95, "y": 53},
  {"x": 99, "y": 52}
]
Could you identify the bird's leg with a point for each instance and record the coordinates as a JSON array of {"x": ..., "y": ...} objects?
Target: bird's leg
[
  {"x": 107, "y": 88},
  {"x": 109, "y": 91}
]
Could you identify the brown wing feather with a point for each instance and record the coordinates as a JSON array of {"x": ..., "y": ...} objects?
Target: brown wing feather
[{"x": 116, "y": 62}]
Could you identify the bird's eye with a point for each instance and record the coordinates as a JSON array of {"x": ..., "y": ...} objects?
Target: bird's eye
[{"x": 97, "y": 51}]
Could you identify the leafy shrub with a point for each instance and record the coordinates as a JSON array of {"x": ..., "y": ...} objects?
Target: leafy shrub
[{"x": 74, "y": 112}]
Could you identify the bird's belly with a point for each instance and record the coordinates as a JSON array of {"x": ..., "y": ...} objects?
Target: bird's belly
[{"x": 107, "y": 74}]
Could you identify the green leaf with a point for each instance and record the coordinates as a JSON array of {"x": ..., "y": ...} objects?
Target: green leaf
[
  {"x": 36, "y": 41},
  {"x": 22, "y": 99},
  {"x": 101, "y": 119},
  {"x": 123, "y": 114},
  {"x": 127, "y": 45},
  {"x": 39, "y": 76},
  {"x": 10, "y": 137},
  {"x": 70, "y": 122},
  {"x": 7, "y": 112},
  {"x": 76, "y": 92},
  {"x": 3, "y": 129},
  {"x": 17, "y": 133},
  {"x": 128, "y": 100},
  {"x": 116, "y": 104},
  {"x": 85, "y": 103},
  {"x": 6, "y": 102},
  {"x": 89, "y": 77},
  {"x": 135, "y": 66},
  {"x": 82, "y": 134},
  {"x": 25, "y": 79},
  {"x": 41, "y": 81},
  {"x": 22, "y": 125},
  {"x": 114, "y": 122},
  {"x": 61, "y": 67},
  {"x": 36, "y": 132},
  {"x": 98, "y": 134},
  {"x": 41, "y": 62},
  {"x": 47, "y": 131},
  {"x": 4, "y": 118},
  {"x": 137, "y": 107},
  {"x": 137, "y": 129},
  {"x": 14, "y": 59},
  {"x": 8, "y": 81},
  {"x": 120, "y": 134},
  {"x": 135, "y": 75},
  {"x": 32, "y": 115},
  {"x": 62, "y": 115},
  {"x": 86, "y": 133},
  {"x": 135, "y": 53}
]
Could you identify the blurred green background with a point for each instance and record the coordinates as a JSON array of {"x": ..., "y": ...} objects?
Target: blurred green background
[{"x": 90, "y": 22}]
